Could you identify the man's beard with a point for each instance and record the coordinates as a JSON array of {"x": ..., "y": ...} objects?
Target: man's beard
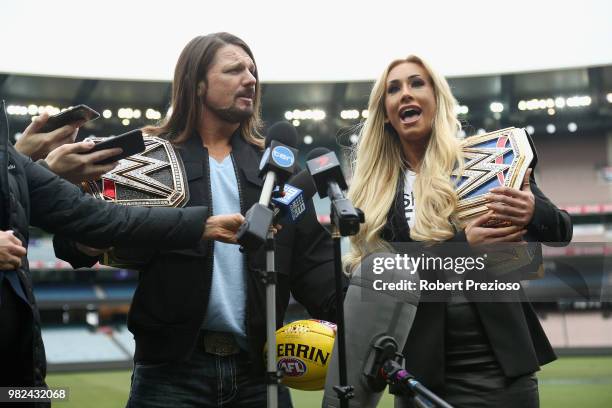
[{"x": 230, "y": 114}]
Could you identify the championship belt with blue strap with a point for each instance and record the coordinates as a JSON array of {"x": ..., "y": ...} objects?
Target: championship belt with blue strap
[{"x": 495, "y": 159}]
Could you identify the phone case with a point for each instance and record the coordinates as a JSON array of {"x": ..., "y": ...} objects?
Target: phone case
[
  {"x": 72, "y": 115},
  {"x": 131, "y": 143}
]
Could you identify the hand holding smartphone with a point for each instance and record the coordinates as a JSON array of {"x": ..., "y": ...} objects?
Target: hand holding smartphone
[
  {"x": 130, "y": 142},
  {"x": 76, "y": 114}
]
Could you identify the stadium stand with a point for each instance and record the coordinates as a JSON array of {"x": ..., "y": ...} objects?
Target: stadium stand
[
  {"x": 578, "y": 329},
  {"x": 70, "y": 348},
  {"x": 574, "y": 169}
]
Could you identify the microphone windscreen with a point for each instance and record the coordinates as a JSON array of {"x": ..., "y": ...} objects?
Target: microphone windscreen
[
  {"x": 316, "y": 152},
  {"x": 283, "y": 132},
  {"x": 303, "y": 181},
  {"x": 371, "y": 314}
]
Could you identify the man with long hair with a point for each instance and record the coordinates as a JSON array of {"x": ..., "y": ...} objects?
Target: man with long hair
[{"x": 198, "y": 316}]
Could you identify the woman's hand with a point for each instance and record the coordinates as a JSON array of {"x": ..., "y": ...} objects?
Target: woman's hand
[
  {"x": 477, "y": 234},
  {"x": 11, "y": 251},
  {"x": 512, "y": 205}
]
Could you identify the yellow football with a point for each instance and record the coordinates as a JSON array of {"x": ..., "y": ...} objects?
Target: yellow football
[{"x": 303, "y": 352}]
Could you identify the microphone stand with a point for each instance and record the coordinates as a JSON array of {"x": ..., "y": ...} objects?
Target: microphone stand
[
  {"x": 343, "y": 224},
  {"x": 260, "y": 217},
  {"x": 269, "y": 276}
]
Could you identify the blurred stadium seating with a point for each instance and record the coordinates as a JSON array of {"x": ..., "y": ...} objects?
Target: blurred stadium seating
[
  {"x": 568, "y": 113},
  {"x": 78, "y": 347}
]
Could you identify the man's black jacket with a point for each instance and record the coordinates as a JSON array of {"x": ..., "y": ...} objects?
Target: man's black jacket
[
  {"x": 170, "y": 301},
  {"x": 30, "y": 194},
  {"x": 512, "y": 327}
]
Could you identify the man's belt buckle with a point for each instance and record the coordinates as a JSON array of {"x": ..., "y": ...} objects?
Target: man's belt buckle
[{"x": 220, "y": 344}]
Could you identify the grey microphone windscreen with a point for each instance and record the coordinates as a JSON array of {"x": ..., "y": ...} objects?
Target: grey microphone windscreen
[{"x": 369, "y": 315}]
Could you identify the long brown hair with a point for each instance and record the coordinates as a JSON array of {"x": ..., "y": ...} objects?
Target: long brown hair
[{"x": 192, "y": 66}]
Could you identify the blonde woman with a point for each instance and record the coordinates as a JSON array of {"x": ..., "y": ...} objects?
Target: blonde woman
[{"x": 472, "y": 354}]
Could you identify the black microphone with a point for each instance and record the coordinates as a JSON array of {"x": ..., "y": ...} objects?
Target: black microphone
[
  {"x": 326, "y": 172},
  {"x": 325, "y": 169},
  {"x": 377, "y": 324},
  {"x": 279, "y": 159},
  {"x": 276, "y": 166}
]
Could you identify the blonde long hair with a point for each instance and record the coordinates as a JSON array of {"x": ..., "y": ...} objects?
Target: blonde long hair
[{"x": 378, "y": 164}]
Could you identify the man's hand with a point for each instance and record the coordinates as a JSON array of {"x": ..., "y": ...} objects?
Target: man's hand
[
  {"x": 38, "y": 145},
  {"x": 11, "y": 251},
  {"x": 223, "y": 228},
  {"x": 510, "y": 204},
  {"x": 477, "y": 234},
  {"x": 72, "y": 162}
]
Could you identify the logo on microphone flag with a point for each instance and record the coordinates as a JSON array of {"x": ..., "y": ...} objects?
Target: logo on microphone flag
[
  {"x": 283, "y": 156},
  {"x": 322, "y": 160},
  {"x": 292, "y": 201}
]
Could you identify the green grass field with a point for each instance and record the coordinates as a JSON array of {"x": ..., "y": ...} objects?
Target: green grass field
[{"x": 584, "y": 382}]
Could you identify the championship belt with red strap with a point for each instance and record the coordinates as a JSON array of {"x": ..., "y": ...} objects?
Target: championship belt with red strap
[
  {"x": 153, "y": 178},
  {"x": 494, "y": 159}
]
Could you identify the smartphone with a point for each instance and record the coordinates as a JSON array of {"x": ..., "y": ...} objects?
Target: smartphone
[
  {"x": 79, "y": 113},
  {"x": 131, "y": 143}
]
